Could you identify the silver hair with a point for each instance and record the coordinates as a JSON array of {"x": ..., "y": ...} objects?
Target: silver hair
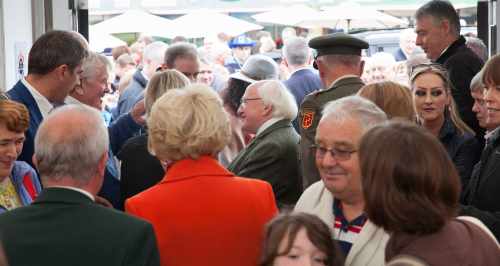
[
  {"x": 296, "y": 51},
  {"x": 274, "y": 93},
  {"x": 476, "y": 84},
  {"x": 93, "y": 64},
  {"x": 154, "y": 52},
  {"x": 356, "y": 107},
  {"x": 70, "y": 142}
]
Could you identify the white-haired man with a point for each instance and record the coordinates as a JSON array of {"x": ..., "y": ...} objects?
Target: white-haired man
[
  {"x": 303, "y": 79},
  {"x": 337, "y": 198},
  {"x": 94, "y": 84},
  {"x": 152, "y": 60},
  {"x": 64, "y": 226},
  {"x": 267, "y": 109}
]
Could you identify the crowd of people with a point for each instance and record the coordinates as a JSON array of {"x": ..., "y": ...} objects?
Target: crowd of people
[{"x": 242, "y": 154}]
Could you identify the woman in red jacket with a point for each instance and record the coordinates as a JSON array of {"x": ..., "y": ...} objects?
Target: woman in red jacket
[{"x": 202, "y": 214}]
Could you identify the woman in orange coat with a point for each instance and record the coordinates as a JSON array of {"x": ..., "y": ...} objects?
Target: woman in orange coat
[{"x": 202, "y": 214}]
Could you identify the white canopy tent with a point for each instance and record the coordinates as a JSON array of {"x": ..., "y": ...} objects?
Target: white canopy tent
[
  {"x": 135, "y": 21},
  {"x": 200, "y": 24},
  {"x": 354, "y": 16},
  {"x": 288, "y": 16},
  {"x": 98, "y": 41},
  {"x": 345, "y": 16}
]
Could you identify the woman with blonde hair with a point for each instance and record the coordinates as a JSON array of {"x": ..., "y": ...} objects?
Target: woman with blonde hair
[
  {"x": 394, "y": 99},
  {"x": 139, "y": 169},
  {"x": 437, "y": 112},
  {"x": 202, "y": 213}
]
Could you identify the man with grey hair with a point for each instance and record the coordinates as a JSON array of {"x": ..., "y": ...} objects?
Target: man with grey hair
[
  {"x": 338, "y": 198},
  {"x": 438, "y": 33},
  {"x": 152, "y": 60},
  {"x": 340, "y": 67},
  {"x": 267, "y": 109},
  {"x": 64, "y": 225},
  {"x": 303, "y": 79},
  {"x": 94, "y": 84},
  {"x": 183, "y": 57}
]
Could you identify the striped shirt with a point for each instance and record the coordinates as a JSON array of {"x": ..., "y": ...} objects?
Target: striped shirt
[{"x": 344, "y": 231}]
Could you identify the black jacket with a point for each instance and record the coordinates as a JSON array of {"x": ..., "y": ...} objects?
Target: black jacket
[
  {"x": 139, "y": 169},
  {"x": 464, "y": 150},
  {"x": 462, "y": 65},
  {"x": 483, "y": 193}
]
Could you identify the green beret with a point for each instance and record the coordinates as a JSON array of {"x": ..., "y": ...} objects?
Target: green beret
[{"x": 338, "y": 43}]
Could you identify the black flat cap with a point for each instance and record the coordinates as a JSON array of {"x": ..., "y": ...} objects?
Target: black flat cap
[{"x": 337, "y": 43}]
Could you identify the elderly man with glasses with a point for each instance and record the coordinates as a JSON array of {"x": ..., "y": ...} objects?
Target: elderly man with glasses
[
  {"x": 267, "y": 109},
  {"x": 338, "y": 198}
]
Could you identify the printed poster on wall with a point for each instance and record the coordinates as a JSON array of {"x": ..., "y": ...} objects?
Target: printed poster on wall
[{"x": 21, "y": 59}]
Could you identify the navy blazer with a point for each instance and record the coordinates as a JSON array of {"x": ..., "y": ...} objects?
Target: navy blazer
[
  {"x": 300, "y": 84},
  {"x": 21, "y": 94}
]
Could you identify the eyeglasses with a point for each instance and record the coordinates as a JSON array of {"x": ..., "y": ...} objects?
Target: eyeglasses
[
  {"x": 246, "y": 100},
  {"x": 338, "y": 154}
]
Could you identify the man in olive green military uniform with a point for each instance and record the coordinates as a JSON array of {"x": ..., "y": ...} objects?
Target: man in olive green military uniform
[{"x": 340, "y": 66}]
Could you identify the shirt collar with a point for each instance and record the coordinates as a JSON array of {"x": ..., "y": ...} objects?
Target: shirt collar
[
  {"x": 71, "y": 100},
  {"x": 84, "y": 192},
  {"x": 267, "y": 124},
  {"x": 491, "y": 135},
  {"x": 144, "y": 75},
  {"x": 43, "y": 103},
  {"x": 342, "y": 77}
]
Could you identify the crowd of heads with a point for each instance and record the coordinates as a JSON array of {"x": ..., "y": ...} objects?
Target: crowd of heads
[{"x": 377, "y": 147}]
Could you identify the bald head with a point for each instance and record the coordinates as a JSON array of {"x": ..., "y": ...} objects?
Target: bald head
[{"x": 70, "y": 144}]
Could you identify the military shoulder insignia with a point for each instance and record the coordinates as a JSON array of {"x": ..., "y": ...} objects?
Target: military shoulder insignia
[{"x": 307, "y": 119}]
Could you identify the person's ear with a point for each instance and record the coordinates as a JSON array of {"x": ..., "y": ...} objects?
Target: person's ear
[
  {"x": 61, "y": 71},
  {"x": 445, "y": 26},
  {"x": 268, "y": 110}
]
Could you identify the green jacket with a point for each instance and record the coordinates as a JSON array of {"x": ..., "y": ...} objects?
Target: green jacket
[
  {"x": 273, "y": 157},
  {"x": 64, "y": 227}
]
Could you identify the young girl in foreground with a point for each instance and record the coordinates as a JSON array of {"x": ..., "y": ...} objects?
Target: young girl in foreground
[{"x": 299, "y": 239}]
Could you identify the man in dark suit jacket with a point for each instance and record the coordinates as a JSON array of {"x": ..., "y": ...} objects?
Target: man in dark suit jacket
[
  {"x": 303, "y": 79},
  {"x": 438, "y": 33},
  {"x": 340, "y": 66},
  {"x": 64, "y": 226},
  {"x": 267, "y": 110},
  {"x": 54, "y": 66}
]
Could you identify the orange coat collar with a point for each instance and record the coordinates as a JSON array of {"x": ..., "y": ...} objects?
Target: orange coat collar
[{"x": 189, "y": 168}]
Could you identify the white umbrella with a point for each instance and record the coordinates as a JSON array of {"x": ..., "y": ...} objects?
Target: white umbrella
[
  {"x": 135, "y": 21},
  {"x": 98, "y": 41},
  {"x": 203, "y": 23},
  {"x": 350, "y": 16},
  {"x": 290, "y": 16}
]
